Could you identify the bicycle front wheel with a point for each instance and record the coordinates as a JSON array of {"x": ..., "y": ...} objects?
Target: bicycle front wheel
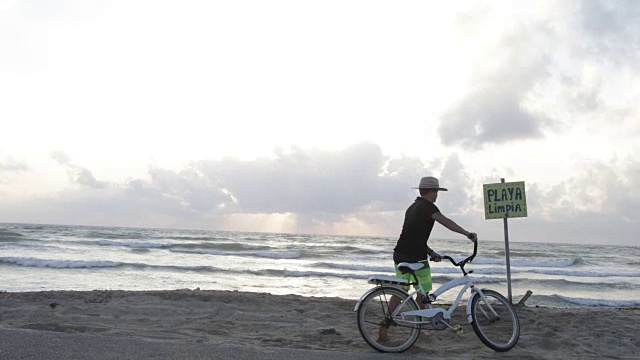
[
  {"x": 495, "y": 321},
  {"x": 382, "y": 331}
]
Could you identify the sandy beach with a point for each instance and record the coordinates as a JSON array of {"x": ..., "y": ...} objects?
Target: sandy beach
[{"x": 258, "y": 321}]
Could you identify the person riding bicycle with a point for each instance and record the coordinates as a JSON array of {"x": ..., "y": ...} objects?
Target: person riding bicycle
[
  {"x": 412, "y": 245},
  {"x": 419, "y": 219}
]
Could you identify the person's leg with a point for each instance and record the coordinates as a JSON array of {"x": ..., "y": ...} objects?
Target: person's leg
[
  {"x": 393, "y": 304},
  {"x": 424, "y": 277}
]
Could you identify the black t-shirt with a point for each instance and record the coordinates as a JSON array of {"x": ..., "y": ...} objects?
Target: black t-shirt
[{"x": 412, "y": 244}]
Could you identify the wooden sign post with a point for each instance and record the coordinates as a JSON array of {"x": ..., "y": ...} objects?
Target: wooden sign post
[{"x": 502, "y": 201}]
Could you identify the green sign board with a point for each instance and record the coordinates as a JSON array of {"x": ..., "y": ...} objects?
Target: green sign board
[{"x": 504, "y": 200}]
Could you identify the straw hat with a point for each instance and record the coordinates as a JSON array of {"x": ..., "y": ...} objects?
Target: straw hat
[{"x": 429, "y": 182}]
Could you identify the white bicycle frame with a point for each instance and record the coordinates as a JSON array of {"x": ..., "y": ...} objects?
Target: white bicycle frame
[{"x": 433, "y": 311}]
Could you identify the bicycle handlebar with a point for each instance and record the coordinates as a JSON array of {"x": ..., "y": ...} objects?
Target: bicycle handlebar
[{"x": 467, "y": 260}]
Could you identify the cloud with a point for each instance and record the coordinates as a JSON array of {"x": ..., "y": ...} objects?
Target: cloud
[
  {"x": 545, "y": 71},
  {"x": 8, "y": 164},
  {"x": 462, "y": 189},
  {"x": 78, "y": 174},
  {"x": 598, "y": 203},
  {"x": 486, "y": 117},
  {"x": 598, "y": 54},
  {"x": 60, "y": 157},
  {"x": 316, "y": 188},
  {"x": 357, "y": 191},
  {"x": 534, "y": 79},
  {"x": 10, "y": 167},
  {"x": 189, "y": 190},
  {"x": 612, "y": 30},
  {"x": 308, "y": 181},
  {"x": 495, "y": 109}
]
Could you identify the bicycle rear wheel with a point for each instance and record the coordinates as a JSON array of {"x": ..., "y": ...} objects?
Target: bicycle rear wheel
[
  {"x": 500, "y": 330},
  {"x": 382, "y": 332}
]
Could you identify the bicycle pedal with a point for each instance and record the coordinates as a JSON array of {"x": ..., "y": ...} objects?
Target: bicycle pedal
[
  {"x": 428, "y": 299},
  {"x": 457, "y": 329}
]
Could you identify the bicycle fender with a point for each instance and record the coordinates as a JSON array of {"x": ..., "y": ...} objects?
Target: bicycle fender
[
  {"x": 475, "y": 293},
  {"x": 355, "y": 309}
]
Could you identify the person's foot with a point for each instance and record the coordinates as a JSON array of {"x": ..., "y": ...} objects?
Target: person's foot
[
  {"x": 383, "y": 335},
  {"x": 427, "y": 332}
]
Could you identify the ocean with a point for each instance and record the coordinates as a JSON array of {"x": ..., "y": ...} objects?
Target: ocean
[{"x": 56, "y": 257}]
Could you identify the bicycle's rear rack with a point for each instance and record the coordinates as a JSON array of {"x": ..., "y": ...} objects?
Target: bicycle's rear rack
[{"x": 386, "y": 279}]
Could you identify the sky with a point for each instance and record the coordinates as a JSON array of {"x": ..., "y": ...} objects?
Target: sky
[{"x": 320, "y": 116}]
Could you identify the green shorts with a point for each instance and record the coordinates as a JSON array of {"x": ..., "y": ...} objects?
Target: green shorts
[{"x": 424, "y": 276}]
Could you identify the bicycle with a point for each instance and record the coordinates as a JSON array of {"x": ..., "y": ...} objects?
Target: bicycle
[{"x": 386, "y": 329}]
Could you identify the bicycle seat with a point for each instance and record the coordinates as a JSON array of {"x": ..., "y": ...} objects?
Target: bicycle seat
[{"x": 406, "y": 267}]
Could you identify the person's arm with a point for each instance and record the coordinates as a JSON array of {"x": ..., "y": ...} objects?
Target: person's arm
[
  {"x": 451, "y": 225},
  {"x": 429, "y": 250},
  {"x": 434, "y": 256}
]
